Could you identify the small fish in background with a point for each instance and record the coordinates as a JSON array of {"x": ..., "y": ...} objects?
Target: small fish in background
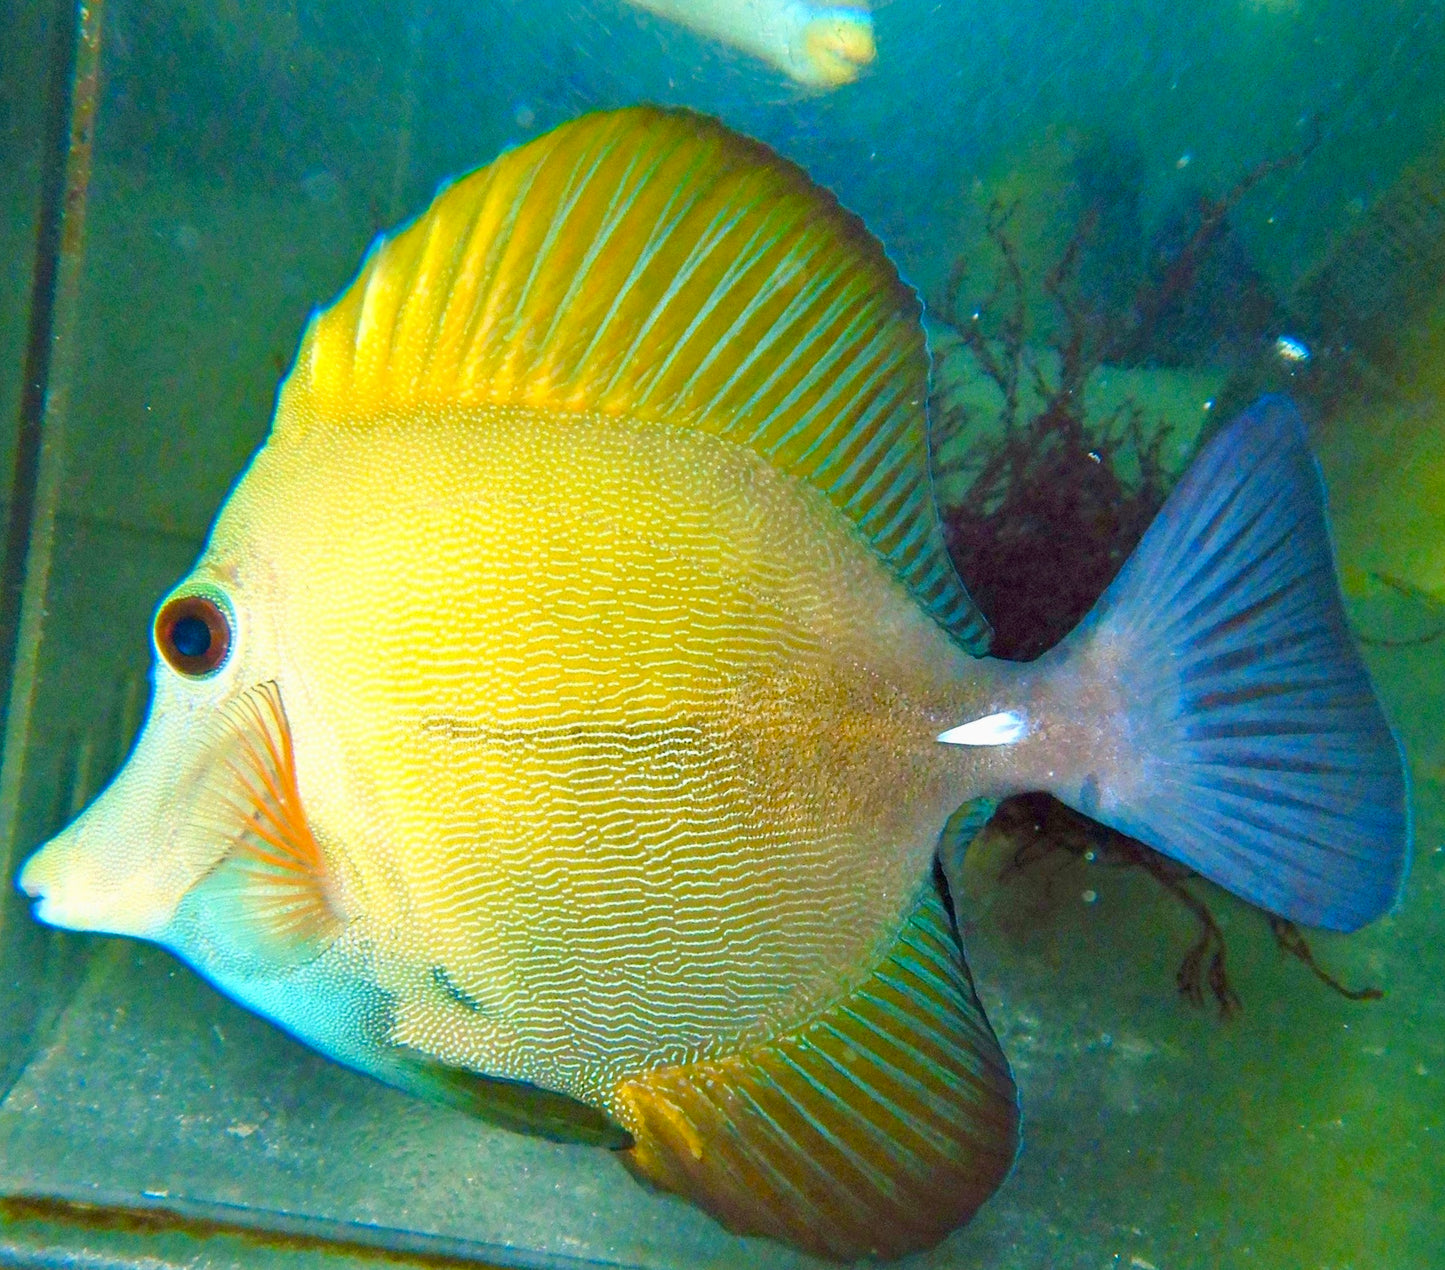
[
  {"x": 818, "y": 45},
  {"x": 567, "y": 708}
]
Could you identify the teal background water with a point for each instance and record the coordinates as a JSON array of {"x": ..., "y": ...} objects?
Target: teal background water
[{"x": 245, "y": 154}]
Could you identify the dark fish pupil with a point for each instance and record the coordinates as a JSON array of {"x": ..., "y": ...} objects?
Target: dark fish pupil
[
  {"x": 193, "y": 634},
  {"x": 191, "y": 637}
]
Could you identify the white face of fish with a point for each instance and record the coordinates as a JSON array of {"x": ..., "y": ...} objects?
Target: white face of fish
[
  {"x": 200, "y": 843},
  {"x": 125, "y": 865}
]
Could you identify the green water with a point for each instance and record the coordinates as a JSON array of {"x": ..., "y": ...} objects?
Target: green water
[{"x": 245, "y": 154}]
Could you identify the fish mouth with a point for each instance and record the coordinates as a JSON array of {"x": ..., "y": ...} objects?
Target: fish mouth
[
  {"x": 71, "y": 886},
  {"x": 40, "y": 884},
  {"x": 207, "y": 808},
  {"x": 122, "y": 866},
  {"x": 31, "y": 886},
  {"x": 35, "y": 882}
]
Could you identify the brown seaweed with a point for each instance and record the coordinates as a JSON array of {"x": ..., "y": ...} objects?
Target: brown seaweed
[{"x": 1047, "y": 519}]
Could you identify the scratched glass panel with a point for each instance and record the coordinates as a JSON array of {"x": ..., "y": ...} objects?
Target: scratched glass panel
[{"x": 1227, "y": 198}]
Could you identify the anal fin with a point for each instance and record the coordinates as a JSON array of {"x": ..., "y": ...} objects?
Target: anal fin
[{"x": 876, "y": 1129}]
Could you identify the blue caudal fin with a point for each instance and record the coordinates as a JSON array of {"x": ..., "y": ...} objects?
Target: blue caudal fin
[{"x": 1253, "y": 748}]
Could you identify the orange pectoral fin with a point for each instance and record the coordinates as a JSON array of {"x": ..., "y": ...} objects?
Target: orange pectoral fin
[
  {"x": 874, "y": 1131},
  {"x": 277, "y": 893}
]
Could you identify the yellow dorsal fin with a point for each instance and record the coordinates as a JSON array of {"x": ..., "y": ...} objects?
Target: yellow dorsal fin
[
  {"x": 874, "y": 1131},
  {"x": 652, "y": 264}
]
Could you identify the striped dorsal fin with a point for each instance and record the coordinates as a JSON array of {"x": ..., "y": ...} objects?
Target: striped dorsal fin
[
  {"x": 875, "y": 1130},
  {"x": 654, "y": 265}
]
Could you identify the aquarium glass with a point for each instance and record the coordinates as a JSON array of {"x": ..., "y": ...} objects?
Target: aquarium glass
[{"x": 1150, "y": 212}]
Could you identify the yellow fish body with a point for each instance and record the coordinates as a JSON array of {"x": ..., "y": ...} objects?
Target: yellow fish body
[
  {"x": 820, "y": 45},
  {"x": 563, "y": 716}
]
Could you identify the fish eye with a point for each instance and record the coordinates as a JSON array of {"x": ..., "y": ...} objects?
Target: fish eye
[{"x": 193, "y": 634}]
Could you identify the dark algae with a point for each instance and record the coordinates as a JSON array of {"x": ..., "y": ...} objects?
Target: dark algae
[
  {"x": 1047, "y": 519},
  {"x": 1043, "y": 832},
  {"x": 1053, "y": 499}
]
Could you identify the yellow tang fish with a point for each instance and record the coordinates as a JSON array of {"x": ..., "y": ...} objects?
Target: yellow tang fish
[
  {"x": 820, "y": 45},
  {"x": 563, "y": 716}
]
